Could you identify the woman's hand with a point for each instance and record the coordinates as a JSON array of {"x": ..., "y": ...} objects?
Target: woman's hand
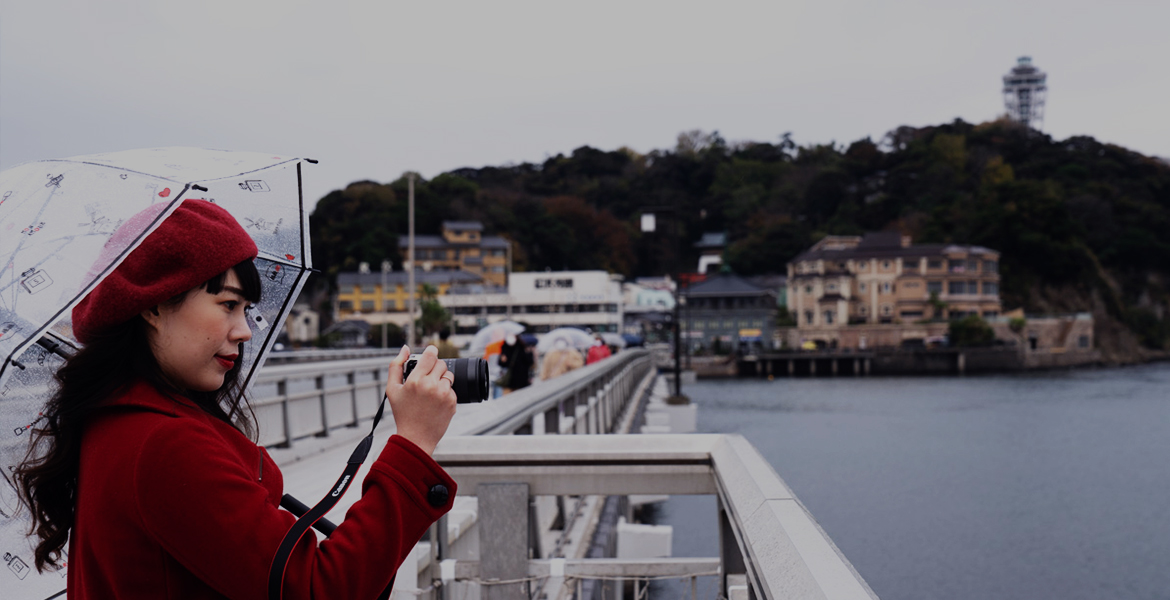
[{"x": 424, "y": 404}]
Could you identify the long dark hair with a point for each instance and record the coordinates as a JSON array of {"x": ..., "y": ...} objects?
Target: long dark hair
[{"x": 105, "y": 367}]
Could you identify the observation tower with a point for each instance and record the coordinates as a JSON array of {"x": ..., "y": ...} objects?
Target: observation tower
[{"x": 1024, "y": 90}]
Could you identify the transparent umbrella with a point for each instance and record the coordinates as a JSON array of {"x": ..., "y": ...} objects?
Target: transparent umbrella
[
  {"x": 57, "y": 216},
  {"x": 492, "y": 333},
  {"x": 575, "y": 338}
]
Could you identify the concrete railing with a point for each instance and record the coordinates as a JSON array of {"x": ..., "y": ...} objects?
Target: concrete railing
[
  {"x": 302, "y": 400},
  {"x": 516, "y": 529},
  {"x": 770, "y": 546}
]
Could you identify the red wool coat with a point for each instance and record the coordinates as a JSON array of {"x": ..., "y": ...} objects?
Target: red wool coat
[{"x": 172, "y": 503}]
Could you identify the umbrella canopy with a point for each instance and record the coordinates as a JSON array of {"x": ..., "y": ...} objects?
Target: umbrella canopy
[
  {"x": 574, "y": 337},
  {"x": 56, "y": 216},
  {"x": 492, "y": 333},
  {"x": 614, "y": 339}
]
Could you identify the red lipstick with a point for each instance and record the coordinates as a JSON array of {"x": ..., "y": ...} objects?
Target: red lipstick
[{"x": 227, "y": 362}]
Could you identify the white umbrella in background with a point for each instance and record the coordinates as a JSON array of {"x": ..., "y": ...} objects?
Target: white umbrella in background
[
  {"x": 575, "y": 338},
  {"x": 614, "y": 339},
  {"x": 492, "y": 333}
]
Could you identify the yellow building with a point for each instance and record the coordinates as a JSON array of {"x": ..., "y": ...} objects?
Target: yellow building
[
  {"x": 361, "y": 295},
  {"x": 461, "y": 247},
  {"x": 882, "y": 278}
]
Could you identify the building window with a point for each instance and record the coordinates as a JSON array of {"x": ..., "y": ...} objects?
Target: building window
[
  {"x": 832, "y": 287},
  {"x": 1083, "y": 341},
  {"x": 934, "y": 264},
  {"x": 885, "y": 265},
  {"x": 808, "y": 317},
  {"x": 887, "y": 287},
  {"x": 911, "y": 284},
  {"x": 911, "y": 314},
  {"x": 861, "y": 286},
  {"x": 972, "y": 266},
  {"x": 367, "y": 288},
  {"x": 991, "y": 314},
  {"x": 887, "y": 310},
  {"x": 862, "y": 265},
  {"x": 389, "y": 305},
  {"x": 345, "y": 305},
  {"x": 934, "y": 287},
  {"x": 956, "y": 266},
  {"x": 367, "y": 306},
  {"x": 990, "y": 266},
  {"x": 808, "y": 289},
  {"x": 957, "y": 287},
  {"x": 990, "y": 288},
  {"x": 828, "y": 317}
]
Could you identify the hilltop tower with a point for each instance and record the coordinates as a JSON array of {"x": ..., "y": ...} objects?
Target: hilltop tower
[{"x": 1024, "y": 90}]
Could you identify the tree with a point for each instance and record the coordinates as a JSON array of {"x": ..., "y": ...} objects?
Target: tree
[
  {"x": 971, "y": 330},
  {"x": 433, "y": 316}
]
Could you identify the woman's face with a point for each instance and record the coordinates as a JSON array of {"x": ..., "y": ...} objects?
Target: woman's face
[{"x": 196, "y": 342}]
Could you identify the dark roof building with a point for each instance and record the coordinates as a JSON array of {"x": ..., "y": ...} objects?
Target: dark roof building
[{"x": 727, "y": 311}]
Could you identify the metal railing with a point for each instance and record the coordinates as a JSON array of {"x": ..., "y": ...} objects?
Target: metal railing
[
  {"x": 499, "y": 453},
  {"x": 770, "y": 546},
  {"x": 297, "y": 401}
]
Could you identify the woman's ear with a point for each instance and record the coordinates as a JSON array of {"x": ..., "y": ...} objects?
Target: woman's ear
[{"x": 151, "y": 316}]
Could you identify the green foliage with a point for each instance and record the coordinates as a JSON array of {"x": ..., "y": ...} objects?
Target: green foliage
[
  {"x": 432, "y": 316},
  {"x": 1152, "y": 331},
  {"x": 970, "y": 331},
  {"x": 1017, "y": 325},
  {"x": 1071, "y": 213}
]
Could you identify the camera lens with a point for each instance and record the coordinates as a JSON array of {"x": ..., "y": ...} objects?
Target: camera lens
[{"x": 471, "y": 377}]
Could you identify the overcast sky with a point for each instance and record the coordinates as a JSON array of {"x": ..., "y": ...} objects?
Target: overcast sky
[{"x": 378, "y": 88}]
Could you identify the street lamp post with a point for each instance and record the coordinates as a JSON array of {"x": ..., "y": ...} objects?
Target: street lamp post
[
  {"x": 649, "y": 225},
  {"x": 410, "y": 254}
]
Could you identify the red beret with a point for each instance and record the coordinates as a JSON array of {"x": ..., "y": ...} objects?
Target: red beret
[{"x": 194, "y": 244}]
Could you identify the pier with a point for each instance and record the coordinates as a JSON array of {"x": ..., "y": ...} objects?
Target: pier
[{"x": 544, "y": 474}]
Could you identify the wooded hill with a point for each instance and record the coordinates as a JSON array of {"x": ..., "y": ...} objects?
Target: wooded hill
[{"x": 1083, "y": 226}]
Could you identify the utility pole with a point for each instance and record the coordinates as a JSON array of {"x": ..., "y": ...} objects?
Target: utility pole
[
  {"x": 382, "y": 298},
  {"x": 508, "y": 279},
  {"x": 410, "y": 254}
]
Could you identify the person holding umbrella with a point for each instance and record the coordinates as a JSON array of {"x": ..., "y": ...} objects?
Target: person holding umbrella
[{"x": 143, "y": 469}]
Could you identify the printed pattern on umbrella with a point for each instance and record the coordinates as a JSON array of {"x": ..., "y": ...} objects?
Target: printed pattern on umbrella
[{"x": 55, "y": 218}]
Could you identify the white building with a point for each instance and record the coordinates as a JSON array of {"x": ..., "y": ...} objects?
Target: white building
[{"x": 542, "y": 300}]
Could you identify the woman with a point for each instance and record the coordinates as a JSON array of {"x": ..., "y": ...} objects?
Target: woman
[{"x": 146, "y": 466}]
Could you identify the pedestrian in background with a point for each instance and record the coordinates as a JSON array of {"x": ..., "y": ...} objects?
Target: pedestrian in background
[
  {"x": 446, "y": 349},
  {"x": 516, "y": 362},
  {"x": 597, "y": 351},
  {"x": 560, "y": 360}
]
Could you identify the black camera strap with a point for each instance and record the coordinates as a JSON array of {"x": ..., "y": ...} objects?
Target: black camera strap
[{"x": 310, "y": 518}]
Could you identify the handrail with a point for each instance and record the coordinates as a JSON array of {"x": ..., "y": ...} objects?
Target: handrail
[
  {"x": 324, "y": 404},
  {"x": 768, "y": 538}
]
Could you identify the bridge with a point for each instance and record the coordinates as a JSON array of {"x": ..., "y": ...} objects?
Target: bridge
[{"x": 544, "y": 473}]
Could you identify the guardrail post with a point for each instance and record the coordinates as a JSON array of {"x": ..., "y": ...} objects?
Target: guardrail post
[
  {"x": 730, "y": 557},
  {"x": 351, "y": 380},
  {"x": 320, "y": 380},
  {"x": 282, "y": 392},
  {"x": 552, "y": 420},
  {"x": 503, "y": 539}
]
